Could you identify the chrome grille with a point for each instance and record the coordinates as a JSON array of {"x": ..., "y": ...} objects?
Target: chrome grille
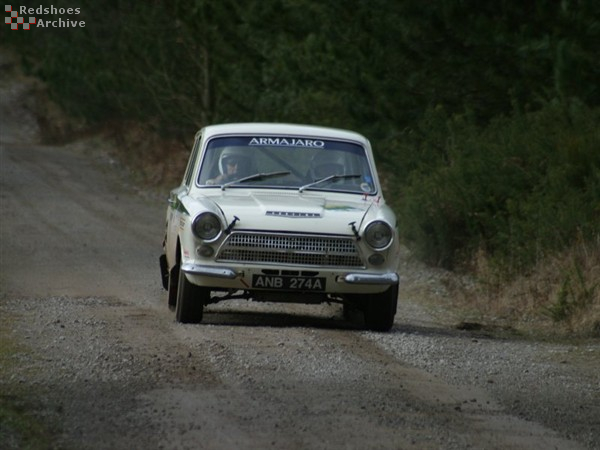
[
  {"x": 304, "y": 250},
  {"x": 310, "y": 215}
]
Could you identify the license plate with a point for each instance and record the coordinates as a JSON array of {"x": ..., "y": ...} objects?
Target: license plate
[{"x": 288, "y": 283}]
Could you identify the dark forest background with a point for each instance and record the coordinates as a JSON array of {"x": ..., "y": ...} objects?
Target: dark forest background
[{"x": 484, "y": 116}]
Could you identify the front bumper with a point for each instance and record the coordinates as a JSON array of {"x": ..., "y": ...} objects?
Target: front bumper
[{"x": 229, "y": 273}]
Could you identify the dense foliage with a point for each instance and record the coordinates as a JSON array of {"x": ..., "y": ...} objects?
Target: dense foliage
[
  {"x": 520, "y": 188},
  {"x": 484, "y": 115}
]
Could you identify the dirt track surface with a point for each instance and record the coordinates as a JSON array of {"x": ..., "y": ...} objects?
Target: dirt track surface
[{"x": 97, "y": 356}]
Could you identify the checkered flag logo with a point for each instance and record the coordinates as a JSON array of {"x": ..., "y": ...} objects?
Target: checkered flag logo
[{"x": 14, "y": 20}]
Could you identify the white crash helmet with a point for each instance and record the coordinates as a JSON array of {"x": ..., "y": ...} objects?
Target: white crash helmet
[
  {"x": 238, "y": 154},
  {"x": 326, "y": 163}
]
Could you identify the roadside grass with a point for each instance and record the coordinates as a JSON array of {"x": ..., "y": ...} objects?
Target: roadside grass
[
  {"x": 20, "y": 426},
  {"x": 559, "y": 297}
]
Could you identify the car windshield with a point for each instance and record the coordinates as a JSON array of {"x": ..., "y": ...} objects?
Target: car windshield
[{"x": 286, "y": 162}]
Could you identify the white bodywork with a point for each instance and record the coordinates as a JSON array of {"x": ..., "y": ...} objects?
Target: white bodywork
[{"x": 280, "y": 229}]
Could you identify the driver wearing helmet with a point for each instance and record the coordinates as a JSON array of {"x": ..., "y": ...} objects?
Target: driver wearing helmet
[
  {"x": 234, "y": 163},
  {"x": 326, "y": 163}
]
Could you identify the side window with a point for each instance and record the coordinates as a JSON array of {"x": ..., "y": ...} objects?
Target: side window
[{"x": 187, "y": 179}]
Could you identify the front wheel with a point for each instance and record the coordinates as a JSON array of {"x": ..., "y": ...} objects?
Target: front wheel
[
  {"x": 190, "y": 301},
  {"x": 379, "y": 309}
]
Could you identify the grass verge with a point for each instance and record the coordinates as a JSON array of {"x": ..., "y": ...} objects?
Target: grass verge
[
  {"x": 559, "y": 297},
  {"x": 21, "y": 427}
]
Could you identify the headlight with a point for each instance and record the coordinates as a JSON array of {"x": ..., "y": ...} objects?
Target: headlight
[
  {"x": 378, "y": 234},
  {"x": 207, "y": 226}
]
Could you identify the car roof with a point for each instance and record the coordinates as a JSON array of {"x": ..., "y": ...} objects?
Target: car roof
[{"x": 268, "y": 129}]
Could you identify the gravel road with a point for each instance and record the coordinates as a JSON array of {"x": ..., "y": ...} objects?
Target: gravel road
[{"x": 92, "y": 350}]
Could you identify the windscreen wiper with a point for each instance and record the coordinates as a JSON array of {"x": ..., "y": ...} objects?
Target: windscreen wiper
[
  {"x": 256, "y": 176},
  {"x": 329, "y": 178}
]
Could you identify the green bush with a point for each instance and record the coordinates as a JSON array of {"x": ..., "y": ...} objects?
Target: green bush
[{"x": 520, "y": 188}]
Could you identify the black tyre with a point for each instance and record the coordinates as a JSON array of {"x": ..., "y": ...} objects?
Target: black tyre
[
  {"x": 164, "y": 271},
  {"x": 172, "y": 286},
  {"x": 190, "y": 301},
  {"x": 352, "y": 307},
  {"x": 380, "y": 309}
]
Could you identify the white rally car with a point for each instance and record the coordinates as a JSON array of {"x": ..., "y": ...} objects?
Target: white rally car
[{"x": 281, "y": 213}]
